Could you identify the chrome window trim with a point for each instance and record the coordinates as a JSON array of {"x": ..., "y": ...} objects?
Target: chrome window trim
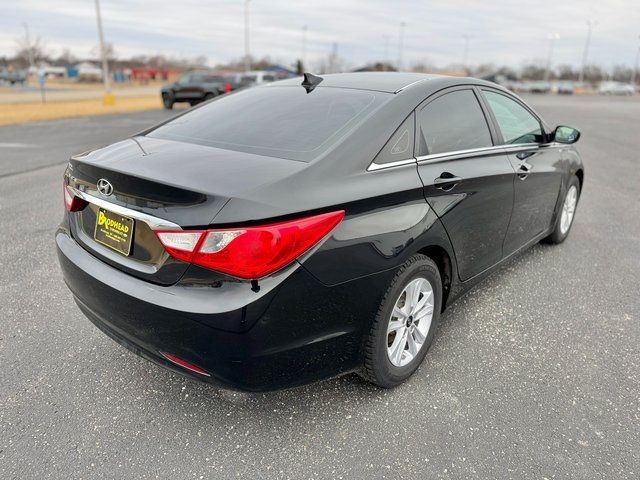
[
  {"x": 471, "y": 152},
  {"x": 373, "y": 166},
  {"x": 154, "y": 222},
  {"x": 518, "y": 147},
  {"x": 478, "y": 152}
]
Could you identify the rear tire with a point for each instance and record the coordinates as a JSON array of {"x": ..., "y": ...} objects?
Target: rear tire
[
  {"x": 404, "y": 326},
  {"x": 209, "y": 96},
  {"x": 565, "y": 216}
]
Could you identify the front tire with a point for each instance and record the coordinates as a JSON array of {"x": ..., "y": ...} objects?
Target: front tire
[
  {"x": 167, "y": 101},
  {"x": 566, "y": 214},
  {"x": 404, "y": 326}
]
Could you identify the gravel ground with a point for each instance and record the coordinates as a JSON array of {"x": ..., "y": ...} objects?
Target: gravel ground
[{"x": 534, "y": 374}]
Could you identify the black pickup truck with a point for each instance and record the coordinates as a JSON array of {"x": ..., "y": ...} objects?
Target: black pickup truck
[{"x": 196, "y": 87}]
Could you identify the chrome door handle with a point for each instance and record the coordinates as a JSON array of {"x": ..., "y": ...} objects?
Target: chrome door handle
[
  {"x": 525, "y": 167},
  {"x": 446, "y": 182},
  {"x": 524, "y": 170}
]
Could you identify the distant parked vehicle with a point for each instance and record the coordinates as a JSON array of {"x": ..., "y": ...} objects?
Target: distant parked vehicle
[
  {"x": 566, "y": 88},
  {"x": 616, "y": 88},
  {"x": 538, "y": 87},
  {"x": 13, "y": 76},
  {"x": 195, "y": 87},
  {"x": 258, "y": 77}
]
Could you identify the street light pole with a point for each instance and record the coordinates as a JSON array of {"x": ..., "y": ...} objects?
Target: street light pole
[
  {"x": 635, "y": 66},
  {"x": 552, "y": 40},
  {"x": 108, "y": 98},
  {"x": 465, "y": 53},
  {"x": 29, "y": 46},
  {"x": 247, "y": 55},
  {"x": 585, "y": 53},
  {"x": 401, "y": 44},
  {"x": 386, "y": 51}
]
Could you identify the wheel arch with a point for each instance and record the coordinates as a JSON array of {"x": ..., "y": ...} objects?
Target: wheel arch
[
  {"x": 443, "y": 261},
  {"x": 580, "y": 175}
]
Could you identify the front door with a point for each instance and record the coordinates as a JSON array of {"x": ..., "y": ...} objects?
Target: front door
[{"x": 537, "y": 166}]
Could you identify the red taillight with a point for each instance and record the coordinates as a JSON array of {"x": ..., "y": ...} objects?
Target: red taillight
[
  {"x": 249, "y": 252},
  {"x": 184, "y": 364},
  {"x": 227, "y": 87},
  {"x": 71, "y": 202}
]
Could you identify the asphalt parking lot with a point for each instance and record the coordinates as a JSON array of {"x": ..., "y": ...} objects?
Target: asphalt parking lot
[{"x": 534, "y": 374}]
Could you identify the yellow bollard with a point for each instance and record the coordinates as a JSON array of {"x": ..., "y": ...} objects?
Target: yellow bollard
[{"x": 108, "y": 99}]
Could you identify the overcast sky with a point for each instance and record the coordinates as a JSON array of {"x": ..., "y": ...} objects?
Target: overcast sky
[{"x": 502, "y": 31}]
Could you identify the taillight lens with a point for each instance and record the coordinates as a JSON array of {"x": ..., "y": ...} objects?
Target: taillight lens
[
  {"x": 249, "y": 252},
  {"x": 71, "y": 202}
]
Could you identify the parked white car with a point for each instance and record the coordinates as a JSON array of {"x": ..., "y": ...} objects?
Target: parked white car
[{"x": 616, "y": 88}]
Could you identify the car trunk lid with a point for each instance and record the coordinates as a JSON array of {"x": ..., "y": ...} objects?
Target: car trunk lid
[{"x": 159, "y": 185}]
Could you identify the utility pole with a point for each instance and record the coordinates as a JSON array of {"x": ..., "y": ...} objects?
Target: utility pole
[
  {"x": 465, "y": 53},
  {"x": 585, "y": 53},
  {"x": 552, "y": 40},
  {"x": 305, "y": 67},
  {"x": 635, "y": 66},
  {"x": 29, "y": 46},
  {"x": 247, "y": 54},
  {"x": 401, "y": 44},
  {"x": 108, "y": 98}
]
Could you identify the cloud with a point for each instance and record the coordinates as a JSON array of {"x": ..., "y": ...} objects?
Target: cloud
[{"x": 501, "y": 31}]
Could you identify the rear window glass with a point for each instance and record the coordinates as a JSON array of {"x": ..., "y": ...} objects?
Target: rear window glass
[{"x": 283, "y": 122}]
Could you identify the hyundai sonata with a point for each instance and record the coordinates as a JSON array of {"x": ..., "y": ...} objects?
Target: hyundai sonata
[{"x": 306, "y": 229}]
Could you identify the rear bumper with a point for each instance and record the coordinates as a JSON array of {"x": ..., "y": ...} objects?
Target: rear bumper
[{"x": 293, "y": 333}]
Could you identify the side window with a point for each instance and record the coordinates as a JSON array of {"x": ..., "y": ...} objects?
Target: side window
[
  {"x": 184, "y": 80},
  {"x": 516, "y": 124},
  {"x": 400, "y": 145},
  {"x": 452, "y": 122}
]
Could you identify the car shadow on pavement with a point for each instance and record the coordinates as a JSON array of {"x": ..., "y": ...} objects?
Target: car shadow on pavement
[{"x": 342, "y": 393}]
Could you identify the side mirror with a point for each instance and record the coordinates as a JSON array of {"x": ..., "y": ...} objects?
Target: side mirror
[{"x": 563, "y": 134}]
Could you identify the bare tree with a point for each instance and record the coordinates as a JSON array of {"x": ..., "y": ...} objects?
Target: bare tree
[
  {"x": 533, "y": 72},
  {"x": 566, "y": 72},
  {"x": 66, "y": 58},
  {"x": 109, "y": 52},
  {"x": 29, "y": 51}
]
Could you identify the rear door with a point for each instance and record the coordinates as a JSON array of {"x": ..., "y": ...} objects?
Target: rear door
[
  {"x": 468, "y": 181},
  {"x": 190, "y": 87},
  {"x": 537, "y": 165}
]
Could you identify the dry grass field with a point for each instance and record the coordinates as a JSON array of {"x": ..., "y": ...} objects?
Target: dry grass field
[
  {"x": 66, "y": 99},
  {"x": 12, "y": 113}
]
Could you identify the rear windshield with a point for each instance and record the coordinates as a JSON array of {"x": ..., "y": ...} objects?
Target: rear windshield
[{"x": 277, "y": 121}]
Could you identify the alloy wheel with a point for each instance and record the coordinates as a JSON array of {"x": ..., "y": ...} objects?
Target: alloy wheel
[
  {"x": 568, "y": 209},
  {"x": 410, "y": 322}
]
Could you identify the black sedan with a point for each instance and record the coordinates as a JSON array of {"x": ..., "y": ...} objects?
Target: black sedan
[
  {"x": 196, "y": 87},
  {"x": 301, "y": 230}
]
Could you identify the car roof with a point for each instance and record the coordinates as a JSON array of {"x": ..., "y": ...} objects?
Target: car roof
[{"x": 390, "y": 82}]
